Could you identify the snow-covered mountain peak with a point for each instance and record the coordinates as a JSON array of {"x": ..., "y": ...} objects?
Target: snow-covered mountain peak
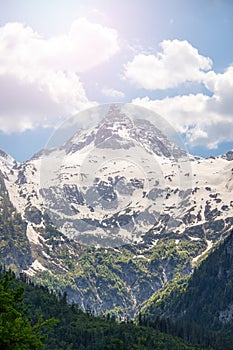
[
  {"x": 118, "y": 130},
  {"x": 114, "y": 115},
  {"x": 112, "y": 178},
  {"x": 113, "y": 182}
]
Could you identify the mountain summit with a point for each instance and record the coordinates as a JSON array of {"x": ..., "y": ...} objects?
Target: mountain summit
[
  {"x": 117, "y": 130},
  {"x": 102, "y": 180}
]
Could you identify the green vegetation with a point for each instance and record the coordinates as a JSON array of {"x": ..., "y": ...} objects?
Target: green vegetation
[
  {"x": 17, "y": 332},
  {"x": 20, "y": 328},
  {"x": 112, "y": 279},
  {"x": 199, "y": 308}
]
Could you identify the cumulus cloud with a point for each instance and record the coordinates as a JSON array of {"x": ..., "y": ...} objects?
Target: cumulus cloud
[
  {"x": 221, "y": 85},
  {"x": 40, "y": 102},
  {"x": 178, "y": 62},
  {"x": 205, "y": 120},
  {"x": 109, "y": 92},
  {"x": 38, "y": 76}
]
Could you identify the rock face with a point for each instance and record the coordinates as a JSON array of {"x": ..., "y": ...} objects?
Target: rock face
[
  {"x": 229, "y": 155},
  {"x": 116, "y": 211},
  {"x": 14, "y": 245}
]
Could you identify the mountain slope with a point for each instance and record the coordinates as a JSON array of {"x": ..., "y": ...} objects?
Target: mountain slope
[
  {"x": 75, "y": 329},
  {"x": 15, "y": 247},
  {"x": 205, "y": 300}
]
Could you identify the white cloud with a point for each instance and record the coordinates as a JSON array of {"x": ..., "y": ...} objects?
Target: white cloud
[
  {"x": 109, "y": 92},
  {"x": 177, "y": 63},
  {"x": 38, "y": 76},
  {"x": 41, "y": 102},
  {"x": 85, "y": 46},
  {"x": 221, "y": 85},
  {"x": 205, "y": 120}
]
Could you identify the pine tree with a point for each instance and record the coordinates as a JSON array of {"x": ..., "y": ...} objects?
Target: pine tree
[{"x": 16, "y": 330}]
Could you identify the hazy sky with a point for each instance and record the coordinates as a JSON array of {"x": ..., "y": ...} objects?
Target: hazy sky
[{"x": 58, "y": 57}]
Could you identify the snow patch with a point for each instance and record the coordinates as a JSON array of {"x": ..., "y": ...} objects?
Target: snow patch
[
  {"x": 34, "y": 268},
  {"x": 32, "y": 235},
  {"x": 209, "y": 246}
]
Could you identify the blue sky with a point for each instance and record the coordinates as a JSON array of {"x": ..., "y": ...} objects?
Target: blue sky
[{"x": 58, "y": 57}]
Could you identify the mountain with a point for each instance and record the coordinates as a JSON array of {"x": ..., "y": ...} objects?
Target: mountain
[
  {"x": 203, "y": 303},
  {"x": 99, "y": 187},
  {"x": 114, "y": 212}
]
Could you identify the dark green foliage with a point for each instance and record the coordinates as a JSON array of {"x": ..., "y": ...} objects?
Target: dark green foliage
[
  {"x": 77, "y": 330},
  {"x": 199, "y": 307},
  {"x": 17, "y": 331}
]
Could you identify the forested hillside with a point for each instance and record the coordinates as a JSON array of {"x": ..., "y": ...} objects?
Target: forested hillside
[
  {"x": 200, "y": 308},
  {"x": 25, "y": 327}
]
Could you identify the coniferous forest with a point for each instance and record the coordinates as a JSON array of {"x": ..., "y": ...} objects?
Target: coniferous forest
[
  {"x": 199, "y": 307},
  {"x": 191, "y": 313},
  {"x": 32, "y": 317}
]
